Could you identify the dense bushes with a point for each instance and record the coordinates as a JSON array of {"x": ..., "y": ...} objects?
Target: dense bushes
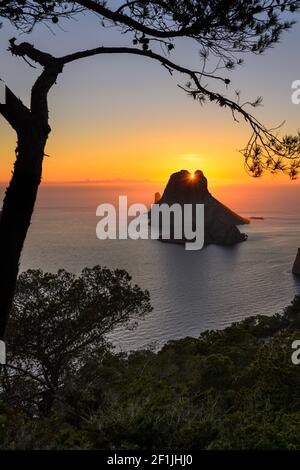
[{"x": 231, "y": 389}]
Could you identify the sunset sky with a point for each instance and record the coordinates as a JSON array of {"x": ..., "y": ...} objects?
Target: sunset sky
[{"x": 124, "y": 118}]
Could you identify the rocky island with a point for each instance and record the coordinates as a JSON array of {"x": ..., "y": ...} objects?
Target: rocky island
[
  {"x": 296, "y": 267},
  {"x": 220, "y": 221}
]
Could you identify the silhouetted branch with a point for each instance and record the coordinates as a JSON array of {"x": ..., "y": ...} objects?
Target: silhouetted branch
[
  {"x": 24, "y": 14},
  {"x": 49, "y": 60},
  {"x": 13, "y": 110},
  {"x": 197, "y": 19},
  {"x": 118, "y": 17},
  {"x": 51, "y": 68},
  {"x": 265, "y": 150}
]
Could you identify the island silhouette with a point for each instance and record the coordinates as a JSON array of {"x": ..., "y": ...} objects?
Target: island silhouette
[{"x": 221, "y": 223}]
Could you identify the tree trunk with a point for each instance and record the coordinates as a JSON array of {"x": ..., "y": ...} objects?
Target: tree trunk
[
  {"x": 32, "y": 128},
  {"x": 17, "y": 210}
]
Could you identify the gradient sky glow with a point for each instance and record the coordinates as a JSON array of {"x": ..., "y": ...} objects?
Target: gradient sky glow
[{"x": 124, "y": 118}]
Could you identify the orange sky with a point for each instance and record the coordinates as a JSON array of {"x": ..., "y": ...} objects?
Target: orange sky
[
  {"x": 125, "y": 118},
  {"x": 140, "y": 153}
]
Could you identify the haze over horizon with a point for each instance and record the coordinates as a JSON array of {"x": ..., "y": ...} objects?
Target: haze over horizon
[{"x": 245, "y": 198}]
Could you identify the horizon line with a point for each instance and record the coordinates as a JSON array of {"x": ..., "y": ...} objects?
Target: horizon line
[{"x": 147, "y": 181}]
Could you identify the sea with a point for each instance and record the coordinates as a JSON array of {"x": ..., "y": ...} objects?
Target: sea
[{"x": 190, "y": 291}]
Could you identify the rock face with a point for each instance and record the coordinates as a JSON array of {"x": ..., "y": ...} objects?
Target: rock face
[
  {"x": 296, "y": 267},
  {"x": 157, "y": 198},
  {"x": 220, "y": 222}
]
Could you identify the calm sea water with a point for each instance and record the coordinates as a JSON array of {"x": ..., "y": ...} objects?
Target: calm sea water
[{"x": 190, "y": 291}]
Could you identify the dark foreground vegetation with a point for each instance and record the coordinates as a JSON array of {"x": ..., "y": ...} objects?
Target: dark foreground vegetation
[{"x": 65, "y": 388}]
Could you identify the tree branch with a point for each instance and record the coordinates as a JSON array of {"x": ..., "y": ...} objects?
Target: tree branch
[
  {"x": 118, "y": 17},
  {"x": 58, "y": 62},
  {"x": 54, "y": 65},
  {"x": 13, "y": 110},
  {"x": 26, "y": 49}
]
